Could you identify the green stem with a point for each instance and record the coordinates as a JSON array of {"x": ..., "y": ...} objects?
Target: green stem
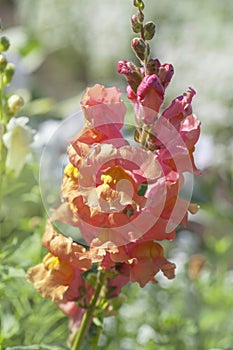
[
  {"x": 1, "y": 104},
  {"x": 144, "y": 135},
  {"x": 142, "y": 28},
  {"x": 96, "y": 338},
  {"x": 87, "y": 317},
  {"x": 2, "y": 148}
]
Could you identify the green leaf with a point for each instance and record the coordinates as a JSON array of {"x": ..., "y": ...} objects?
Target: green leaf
[{"x": 9, "y": 325}]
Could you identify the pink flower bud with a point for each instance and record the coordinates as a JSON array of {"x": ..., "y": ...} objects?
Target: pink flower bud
[
  {"x": 165, "y": 74},
  {"x": 153, "y": 66},
  {"x": 131, "y": 72},
  {"x": 150, "y": 95},
  {"x": 136, "y": 24}
]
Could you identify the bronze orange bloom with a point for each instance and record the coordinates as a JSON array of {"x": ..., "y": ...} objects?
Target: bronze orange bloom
[{"x": 59, "y": 275}]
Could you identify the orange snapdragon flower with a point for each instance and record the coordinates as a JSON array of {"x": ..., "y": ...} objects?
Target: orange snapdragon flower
[
  {"x": 59, "y": 275},
  {"x": 147, "y": 259},
  {"x": 139, "y": 261}
]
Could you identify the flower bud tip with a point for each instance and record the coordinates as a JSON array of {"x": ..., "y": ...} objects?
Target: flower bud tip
[{"x": 4, "y": 43}]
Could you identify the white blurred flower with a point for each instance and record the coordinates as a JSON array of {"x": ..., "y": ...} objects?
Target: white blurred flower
[{"x": 17, "y": 140}]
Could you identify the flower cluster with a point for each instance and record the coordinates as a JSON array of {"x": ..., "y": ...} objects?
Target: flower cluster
[{"x": 123, "y": 196}]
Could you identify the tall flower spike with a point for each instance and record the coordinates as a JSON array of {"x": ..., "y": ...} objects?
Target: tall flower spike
[{"x": 123, "y": 197}]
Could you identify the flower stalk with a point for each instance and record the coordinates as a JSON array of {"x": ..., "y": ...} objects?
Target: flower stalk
[
  {"x": 4, "y": 46},
  {"x": 123, "y": 198},
  {"x": 146, "y": 31},
  {"x": 2, "y": 148},
  {"x": 88, "y": 315}
]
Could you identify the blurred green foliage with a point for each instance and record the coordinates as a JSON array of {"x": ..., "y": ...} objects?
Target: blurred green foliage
[{"x": 59, "y": 48}]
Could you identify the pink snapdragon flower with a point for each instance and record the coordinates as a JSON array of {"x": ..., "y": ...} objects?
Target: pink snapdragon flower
[
  {"x": 146, "y": 91},
  {"x": 104, "y": 113},
  {"x": 172, "y": 133},
  {"x": 108, "y": 119},
  {"x": 124, "y": 197},
  {"x": 175, "y": 135},
  {"x": 101, "y": 185},
  {"x": 104, "y": 194},
  {"x": 165, "y": 73},
  {"x": 104, "y": 198},
  {"x": 132, "y": 73}
]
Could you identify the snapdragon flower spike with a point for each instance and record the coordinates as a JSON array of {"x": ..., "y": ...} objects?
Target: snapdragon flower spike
[{"x": 122, "y": 197}]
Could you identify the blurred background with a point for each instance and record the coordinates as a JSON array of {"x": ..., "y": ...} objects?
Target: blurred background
[{"x": 60, "y": 47}]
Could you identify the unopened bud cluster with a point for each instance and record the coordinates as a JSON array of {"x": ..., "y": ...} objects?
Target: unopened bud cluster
[
  {"x": 139, "y": 4},
  {"x": 7, "y": 69},
  {"x": 146, "y": 31},
  {"x": 146, "y": 82}
]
